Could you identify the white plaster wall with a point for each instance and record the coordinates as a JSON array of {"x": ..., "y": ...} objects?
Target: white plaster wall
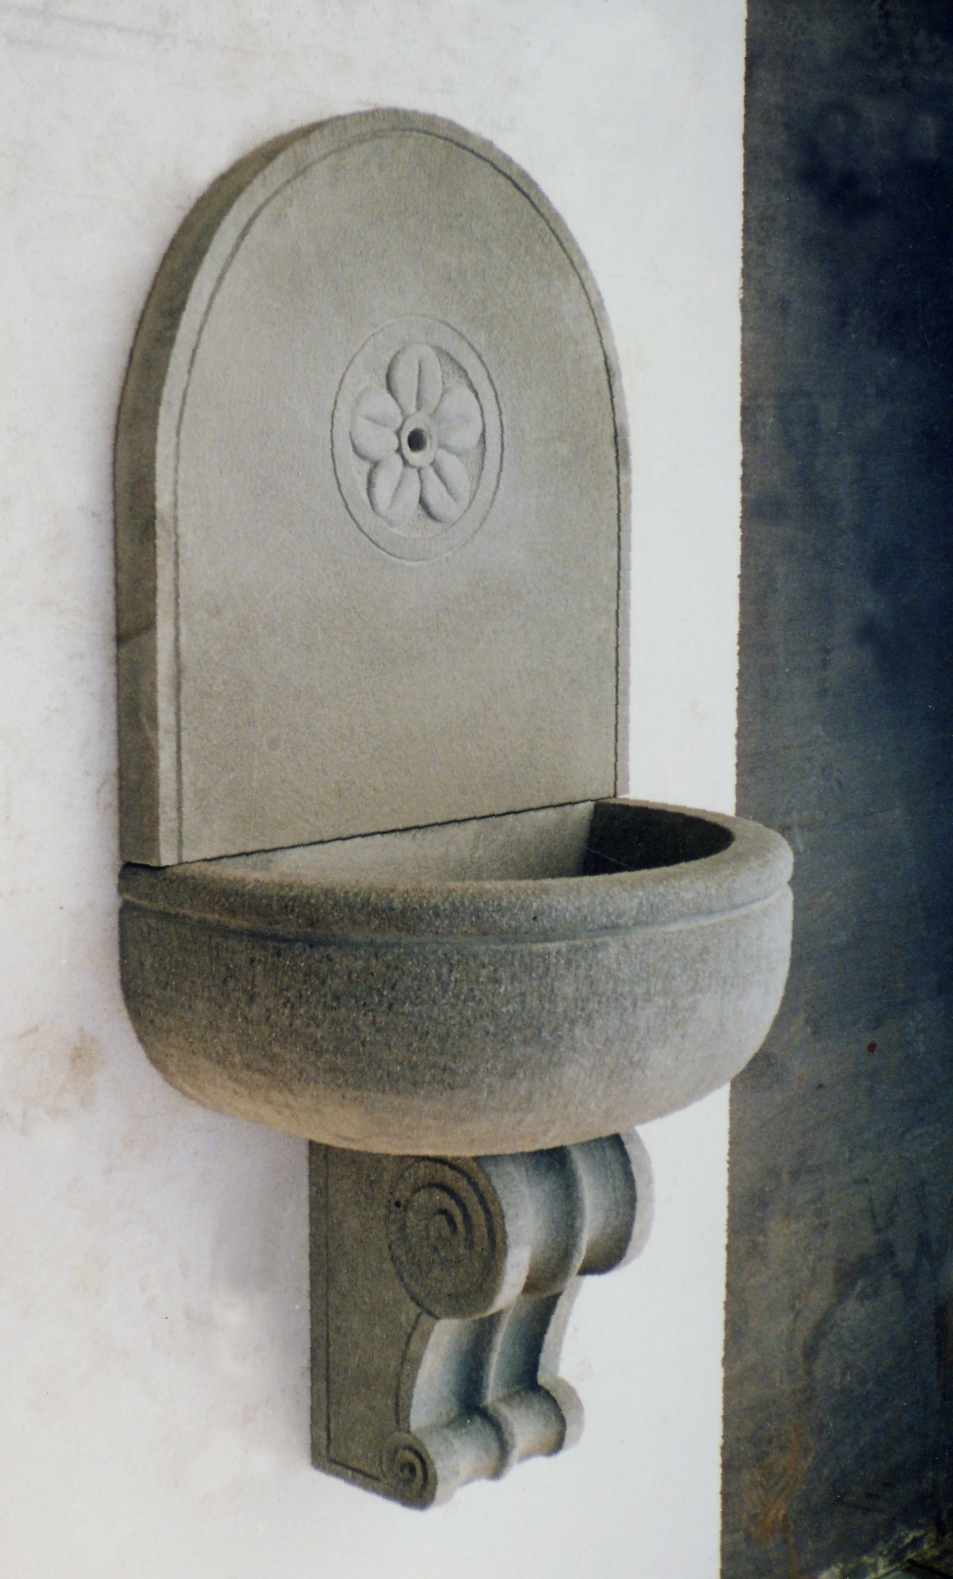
[{"x": 153, "y": 1317}]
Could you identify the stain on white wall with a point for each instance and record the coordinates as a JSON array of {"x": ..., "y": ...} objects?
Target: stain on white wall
[{"x": 153, "y": 1312}]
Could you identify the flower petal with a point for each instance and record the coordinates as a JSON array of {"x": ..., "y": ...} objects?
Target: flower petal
[
  {"x": 394, "y": 491},
  {"x": 458, "y": 420},
  {"x": 414, "y": 379},
  {"x": 445, "y": 487},
  {"x": 374, "y": 423}
]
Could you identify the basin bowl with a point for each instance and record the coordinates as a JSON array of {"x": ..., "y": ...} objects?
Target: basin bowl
[{"x": 500, "y": 985}]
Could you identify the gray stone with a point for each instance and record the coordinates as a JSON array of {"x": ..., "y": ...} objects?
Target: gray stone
[
  {"x": 371, "y": 434},
  {"x": 595, "y": 968},
  {"x": 381, "y": 890},
  {"x": 440, "y": 1292}
]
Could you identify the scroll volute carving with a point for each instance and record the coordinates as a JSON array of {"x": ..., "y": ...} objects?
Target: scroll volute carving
[{"x": 441, "y": 1291}]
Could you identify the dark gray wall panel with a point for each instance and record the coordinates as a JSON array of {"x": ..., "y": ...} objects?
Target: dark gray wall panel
[{"x": 839, "y": 1348}]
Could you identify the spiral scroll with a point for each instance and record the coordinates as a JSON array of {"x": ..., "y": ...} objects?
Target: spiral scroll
[
  {"x": 441, "y": 1289},
  {"x": 408, "y": 1470},
  {"x": 447, "y": 1237}
]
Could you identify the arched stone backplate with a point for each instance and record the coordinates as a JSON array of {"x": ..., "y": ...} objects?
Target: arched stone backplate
[{"x": 371, "y": 503}]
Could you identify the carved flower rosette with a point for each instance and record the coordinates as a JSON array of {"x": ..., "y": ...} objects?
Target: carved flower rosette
[
  {"x": 416, "y": 435},
  {"x": 418, "y": 443}
]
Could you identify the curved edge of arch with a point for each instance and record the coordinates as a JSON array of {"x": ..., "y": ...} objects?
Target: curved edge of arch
[
  {"x": 151, "y": 404},
  {"x": 146, "y": 592}
]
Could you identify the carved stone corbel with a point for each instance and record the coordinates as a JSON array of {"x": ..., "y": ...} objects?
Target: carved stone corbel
[{"x": 440, "y": 1292}]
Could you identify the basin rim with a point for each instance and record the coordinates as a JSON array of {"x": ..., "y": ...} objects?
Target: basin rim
[{"x": 230, "y": 893}]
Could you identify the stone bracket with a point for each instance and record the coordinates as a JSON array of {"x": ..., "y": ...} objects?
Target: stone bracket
[{"x": 440, "y": 1292}]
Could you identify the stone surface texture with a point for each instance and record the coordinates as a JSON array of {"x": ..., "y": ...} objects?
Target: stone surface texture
[
  {"x": 839, "y": 1358},
  {"x": 440, "y": 1293},
  {"x": 477, "y": 1013},
  {"x": 372, "y": 503},
  {"x": 285, "y": 681}
]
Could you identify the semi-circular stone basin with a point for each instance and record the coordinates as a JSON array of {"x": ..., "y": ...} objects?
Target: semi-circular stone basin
[{"x": 500, "y": 985}]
